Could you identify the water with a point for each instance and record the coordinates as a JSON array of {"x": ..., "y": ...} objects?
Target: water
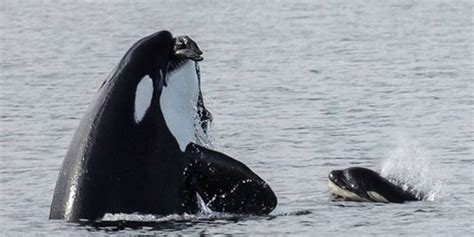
[{"x": 297, "y": 89}]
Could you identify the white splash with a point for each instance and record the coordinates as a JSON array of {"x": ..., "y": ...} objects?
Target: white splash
[
  {"x": 143, "y": 96},
  {"x": 203, "y": 208},
  {"x": 408, "y": 164},
  {"x": 146, "y": 217},
  {"x": 204, "y": 138},
  {"x": 178, "y": 103},
  {"x": 173, "y": 217}
]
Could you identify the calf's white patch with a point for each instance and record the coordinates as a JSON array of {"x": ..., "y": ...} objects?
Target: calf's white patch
[
  {"x": 376, "y": 196},
  {"x": 348, "y": 195}
]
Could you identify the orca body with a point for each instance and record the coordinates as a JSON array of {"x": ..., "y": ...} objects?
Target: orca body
[
  {"x": 137, "y": 148},
  {"x": 365, "y": 185}
]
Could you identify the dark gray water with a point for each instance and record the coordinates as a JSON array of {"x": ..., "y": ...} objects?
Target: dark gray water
[{"x": 297, "y": 89}]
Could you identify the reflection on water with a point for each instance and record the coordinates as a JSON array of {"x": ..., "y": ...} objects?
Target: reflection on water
[{"x": 119, "y": 222}]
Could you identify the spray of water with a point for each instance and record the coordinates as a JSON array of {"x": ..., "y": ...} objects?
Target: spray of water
[
  {"x": 203, "y": 138},
  {"x": 204, "y": 213},
  {"x": 203, "y": 130},
  {"x": 408, "y": 164},
  {"x": 203, "y": 208}
]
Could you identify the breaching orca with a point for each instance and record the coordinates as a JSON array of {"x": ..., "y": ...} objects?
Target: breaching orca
[
  {"x": 362, "y": 184},
  {"x": 137, "y": 148}
]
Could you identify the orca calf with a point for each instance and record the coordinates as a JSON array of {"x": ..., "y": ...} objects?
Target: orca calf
[
  {"x": 365, "y": 185},
  {"x": 137, "y": 148}
]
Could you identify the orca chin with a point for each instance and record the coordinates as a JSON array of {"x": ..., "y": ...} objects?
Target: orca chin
[
  {"x": 364, "y": 185},
  {"x": 139, "y": 146}
]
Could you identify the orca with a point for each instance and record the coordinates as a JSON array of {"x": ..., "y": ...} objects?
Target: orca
[
  {"x": 364, "y": 185},
  {"x": 137, "y": 149}
]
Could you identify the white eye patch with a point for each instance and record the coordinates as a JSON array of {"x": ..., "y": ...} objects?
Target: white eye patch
[{"x": 143, "y": 96}]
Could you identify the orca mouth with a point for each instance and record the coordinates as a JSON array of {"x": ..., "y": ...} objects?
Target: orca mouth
[
  {"x": 337, "y": 178},
  {"x": 184, "y": 49},
  {"x": 336, "y": 186},
  {"x": 341, "y": 189}
]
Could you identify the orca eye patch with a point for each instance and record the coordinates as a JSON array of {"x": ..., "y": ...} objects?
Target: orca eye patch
[{"x": 143, "y": 96}]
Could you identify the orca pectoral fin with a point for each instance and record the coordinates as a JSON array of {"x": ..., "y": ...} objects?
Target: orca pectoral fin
[{"x": 227, "y": 185}]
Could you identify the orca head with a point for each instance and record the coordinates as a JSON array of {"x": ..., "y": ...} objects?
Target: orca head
[
  {"x": 181, "y": 98},
  {"x": 164, "y": 73},
  {"x": 183, "y": 52},
  {"x": 355, "y": 184},
  {"x": 158, "y": 54}
]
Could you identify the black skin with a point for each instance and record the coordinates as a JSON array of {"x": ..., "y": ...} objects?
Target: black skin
[
  {"x": 115, "y": 165},
  {"x": 228, "y": 185},
  {"x": 361, "y": 180}
]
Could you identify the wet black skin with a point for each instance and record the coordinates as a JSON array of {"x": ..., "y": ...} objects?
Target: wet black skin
[
  {"x": 114, "y": 165},
  {"x": 361, "y": 180}
]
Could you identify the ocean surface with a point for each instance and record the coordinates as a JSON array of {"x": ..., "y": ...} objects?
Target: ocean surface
[{"x": 297, "y": 89}]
